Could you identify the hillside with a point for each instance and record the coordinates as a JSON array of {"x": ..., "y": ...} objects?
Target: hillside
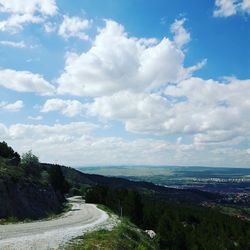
[{"x": 80, "y": 180}]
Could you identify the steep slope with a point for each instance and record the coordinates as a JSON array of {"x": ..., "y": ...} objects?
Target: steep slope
[{"x": 26, "y": 196}]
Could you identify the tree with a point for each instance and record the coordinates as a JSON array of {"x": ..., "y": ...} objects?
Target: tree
[
  {"x": 31, "y": 165},
  {"x": 29, "y": 159},
  {"x": 58, "y": 180},
  {"x": 5, "y": 150},
  {"x": 8, "y": 152}
]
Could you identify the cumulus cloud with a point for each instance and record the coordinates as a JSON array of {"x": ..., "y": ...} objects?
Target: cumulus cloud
[
  {"x": 181, "y": 36},
  {"x": 74, "y": 27},
  {"x": 144, "y": 85},
  {"x": 12, "y": 107},
  {"x": 19, "y": 45},
  {"x": 142, "y": 113},
  {"x": 25, "y": 81},
  {"x": 69, "y": 108},
  {"x": 118, "y": 62},
  {"x": 226, "y": 8},
  {"x": 24, "y": 12}
]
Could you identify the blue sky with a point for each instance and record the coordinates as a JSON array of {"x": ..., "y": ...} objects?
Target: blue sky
[{"x": 126, "y": 82}]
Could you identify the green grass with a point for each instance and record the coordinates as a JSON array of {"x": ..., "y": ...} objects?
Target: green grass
[{"x": 125, "y": 236}]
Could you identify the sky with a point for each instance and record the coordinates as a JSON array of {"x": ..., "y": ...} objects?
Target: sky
[{"x": 116, "y": 82}]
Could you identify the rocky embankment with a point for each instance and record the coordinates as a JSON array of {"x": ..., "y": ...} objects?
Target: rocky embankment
[{"x": 23, "y": 199}]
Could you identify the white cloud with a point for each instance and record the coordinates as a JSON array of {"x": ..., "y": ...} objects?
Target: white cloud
[
  {"x": 35, "y": 118},
  {"x": 74, "y": 27},
  {"x": 226, "y": 8},
  {"x": 24, "y": 12},
  {"x": 211, "y": 107},
  {"x": 25, "y": 81},
  {"x": 181, "y": 36},
  {"x": 3, "y": 131},
  {"x": 69, "y": 108},
  {"x": 39, "y": 132},
  {"x": 15, "y": 22},
  {"x": 20, "y": 44},
  {"x": 12, "y": 107},
  {"x": 142, "y": 113},
  {"x": 117, "y": 62},
  {"x": 50, "y": 27},
  {"x": 245, "y": 5},
  {"x": 46, "y": 7}
]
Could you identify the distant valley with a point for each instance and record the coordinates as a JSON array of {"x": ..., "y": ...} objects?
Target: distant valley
[{"x": 220, "y": 179}]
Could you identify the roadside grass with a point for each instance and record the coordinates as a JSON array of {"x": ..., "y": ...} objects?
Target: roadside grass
[
  {"x": 125, "y": 236},
  {"x": 106, "y": 209},
  {"x": 13, "y": 220}
]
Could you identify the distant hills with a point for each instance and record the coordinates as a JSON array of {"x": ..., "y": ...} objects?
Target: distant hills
[{"x": 76, "y": 178}]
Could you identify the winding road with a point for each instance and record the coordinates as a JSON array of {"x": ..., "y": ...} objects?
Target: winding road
[{"x": 53, "y": 234}]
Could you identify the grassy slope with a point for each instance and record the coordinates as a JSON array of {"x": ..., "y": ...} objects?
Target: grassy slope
[{"x": 125, "y": 236}]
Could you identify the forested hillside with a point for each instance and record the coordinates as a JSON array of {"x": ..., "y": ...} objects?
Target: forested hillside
[{"x": 178, "y": 226}]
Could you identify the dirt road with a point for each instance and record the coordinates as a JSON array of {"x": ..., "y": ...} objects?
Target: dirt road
[{"x": 52, "y": 234}]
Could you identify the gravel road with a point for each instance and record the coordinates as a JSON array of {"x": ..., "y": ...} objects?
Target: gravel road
[{"x": 53, "y": 234}]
